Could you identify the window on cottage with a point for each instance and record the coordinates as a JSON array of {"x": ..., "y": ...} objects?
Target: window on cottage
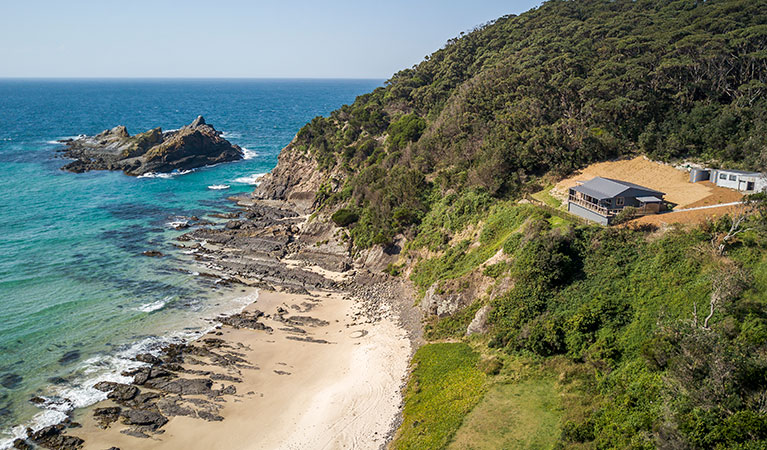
[
  {"x": 722, "y": 176},
  {"x": 619, "y": 201},
  {"x": 733, "y": 178}
]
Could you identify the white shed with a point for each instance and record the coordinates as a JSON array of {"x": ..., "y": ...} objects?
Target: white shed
[{"x": 740, "y": 180}]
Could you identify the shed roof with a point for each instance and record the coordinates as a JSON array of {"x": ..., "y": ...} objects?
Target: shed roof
[
  {"x": 649, "y": 200},
  {"x": 601, "y": 188},
  {"x": 741, "y": 172}
]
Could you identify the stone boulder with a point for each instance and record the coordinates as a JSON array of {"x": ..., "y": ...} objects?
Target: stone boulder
[
  {"x": 195, "y": 145},
  {"x": 478, "y": 324}
]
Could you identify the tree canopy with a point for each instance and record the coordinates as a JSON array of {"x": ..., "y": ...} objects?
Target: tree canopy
[{"x": 550, "y": 90}]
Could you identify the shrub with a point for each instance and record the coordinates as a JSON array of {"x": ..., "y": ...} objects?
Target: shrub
[
  {"x": 393, "y": 269},
  {"x": 495, "y": 270},
  {"x": 491, "y": 366},
  {"x": 625, "y": 215},
  {"x": 578, "y": 432},
  {"x": 543, "y": 336},
  {"x": 407, "y": 128},
  {"x": 344, "y": 217},
  {"x": 512, "y": 243}
]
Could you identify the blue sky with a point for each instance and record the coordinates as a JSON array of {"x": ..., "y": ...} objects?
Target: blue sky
[{"x": 231, "y": 38}]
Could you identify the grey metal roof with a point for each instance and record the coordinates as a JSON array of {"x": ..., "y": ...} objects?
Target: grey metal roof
[
  {"x": 601, "y": 188},
  {"x": 741, "y": 172},
  {"x": 649, "y": 199},
  {"x": 591, "y": 192}
]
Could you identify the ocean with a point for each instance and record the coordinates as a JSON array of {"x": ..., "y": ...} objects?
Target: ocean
[{"x": 77, "y": 297}]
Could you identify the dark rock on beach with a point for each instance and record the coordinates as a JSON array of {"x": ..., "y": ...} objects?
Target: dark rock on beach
[
  {"x": 143, "y": 374},
  {"x": 195, "y": 145},
  {"x": 107, "y": 416},
  {"x": 173, "y": 406},
  {"x": 246, "y": 319},
  {"x": 209, "y": 416},
  {"x": 123, "y": 393},
  {"x": 182, "y": 386},
  {"x": 52, "y": 437},
  {"x": 150, "y": 419},
  {"x": 148, "y": 358},
  {"x": 21, "y": 444}
]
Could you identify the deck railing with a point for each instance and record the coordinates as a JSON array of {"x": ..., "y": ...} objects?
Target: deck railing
[
  {"x": 607, "y": 212},
  {"x": 594, "y": 207}
]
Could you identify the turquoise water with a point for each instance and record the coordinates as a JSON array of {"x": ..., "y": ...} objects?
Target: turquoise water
[{"x": 77, "y": 297}]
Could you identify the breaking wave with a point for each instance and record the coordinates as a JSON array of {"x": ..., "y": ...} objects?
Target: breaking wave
[{"x": 252, "y": 180}]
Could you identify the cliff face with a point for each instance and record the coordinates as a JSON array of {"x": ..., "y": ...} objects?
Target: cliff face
[
  {"x": 195, "y": 145},
  {"x": 295, "y": 179}
]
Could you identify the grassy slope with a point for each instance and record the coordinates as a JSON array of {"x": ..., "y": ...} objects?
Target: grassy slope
[
  {"x": 444, "y": 386},
  {"x": 518, "y": 415}
]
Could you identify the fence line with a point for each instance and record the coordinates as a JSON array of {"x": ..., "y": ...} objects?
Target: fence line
[{"x": 556, "y": 212}]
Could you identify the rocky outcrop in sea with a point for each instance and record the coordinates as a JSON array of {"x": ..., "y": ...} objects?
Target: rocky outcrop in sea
[{"x": 195, "y": 145}]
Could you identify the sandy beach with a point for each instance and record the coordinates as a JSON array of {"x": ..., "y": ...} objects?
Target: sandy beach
[{"x": 300, "y": 394}]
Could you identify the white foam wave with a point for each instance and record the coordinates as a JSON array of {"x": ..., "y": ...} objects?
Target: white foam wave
[
  {"x": 165, "y": 175},
  {"x": 252, "y": 180},
  {"x": 155, "y": 175},
  {"x": 57, "y": 141},
  {"x": 178, "y": 224},
  {"x": 230, "y": 134},
  {"x": 154, "y": 306},
  {"x": 248, "y": 154},
  {"x": 41, "y": 420},
  {"x": 218, "y": 187}
]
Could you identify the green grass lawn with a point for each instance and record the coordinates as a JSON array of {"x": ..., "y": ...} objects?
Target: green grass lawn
[
  {"x": 520, "y": 415},
  {"x": 548, "y": 199},
  {"x": 444, "y": 387}
]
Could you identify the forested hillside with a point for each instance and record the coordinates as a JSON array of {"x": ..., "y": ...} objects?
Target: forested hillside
[
  {"x": 550, "y": 90},
  {"x": 588, "y": 337}
]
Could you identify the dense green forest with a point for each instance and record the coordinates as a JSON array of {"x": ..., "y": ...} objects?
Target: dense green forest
[
  {"x": 555, "y": 88},
  {"x": 644, "y": 338}
]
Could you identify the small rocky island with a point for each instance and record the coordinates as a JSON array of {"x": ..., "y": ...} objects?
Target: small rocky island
[{"x": 195, "y": 145}]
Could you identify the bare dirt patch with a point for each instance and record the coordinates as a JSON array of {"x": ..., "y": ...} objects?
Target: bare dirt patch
[
  {"x": 662, "y": 177},
  {"x": 685, "y": 217},
  {"x": 718, "y": 195}
]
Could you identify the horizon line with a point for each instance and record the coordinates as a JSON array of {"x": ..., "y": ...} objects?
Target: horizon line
[{"x": 192, "y": 78}]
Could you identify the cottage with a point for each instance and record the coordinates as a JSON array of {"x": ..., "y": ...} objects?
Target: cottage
[
  {"x": 601, "y": 199},
  {"x": 748, "y": 182}
]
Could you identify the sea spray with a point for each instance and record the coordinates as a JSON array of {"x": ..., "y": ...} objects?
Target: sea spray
[{"x": 253, "y": 180}]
